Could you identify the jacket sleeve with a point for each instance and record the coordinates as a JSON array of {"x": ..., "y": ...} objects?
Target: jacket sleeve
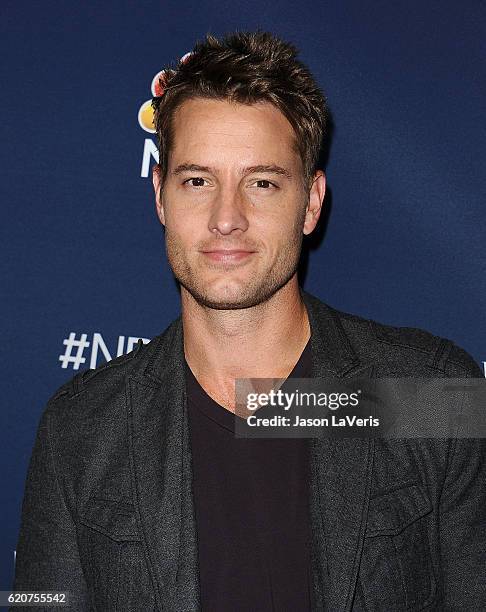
[
  {"x": 47, "y": 557},
  {"x": 463, "y": 518}
]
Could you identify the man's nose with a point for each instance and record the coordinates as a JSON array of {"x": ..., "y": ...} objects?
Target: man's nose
[{"x": 228, "y": 213}]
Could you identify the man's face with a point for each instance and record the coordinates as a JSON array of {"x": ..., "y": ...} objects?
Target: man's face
[{"x": 233, "y": 202}]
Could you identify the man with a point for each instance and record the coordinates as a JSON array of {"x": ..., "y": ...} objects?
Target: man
[{"x": 139, "y": 496}]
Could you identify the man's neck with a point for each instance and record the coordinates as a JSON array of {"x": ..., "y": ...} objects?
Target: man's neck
[{"x": 264, "y": 341}]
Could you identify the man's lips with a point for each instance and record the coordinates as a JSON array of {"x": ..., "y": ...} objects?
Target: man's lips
[{"x": 227, "y": 255}]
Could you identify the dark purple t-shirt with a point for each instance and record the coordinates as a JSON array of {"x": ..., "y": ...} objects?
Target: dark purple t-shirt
[{"x": 251, "y": 501}]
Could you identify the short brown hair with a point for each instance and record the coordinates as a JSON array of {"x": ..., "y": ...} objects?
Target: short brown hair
[{"x": 246, "y": 67}]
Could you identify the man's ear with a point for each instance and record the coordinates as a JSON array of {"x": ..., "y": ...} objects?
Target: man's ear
[
  {"x": 156, "y": 181},
  {"x": 314, "y": 205}
]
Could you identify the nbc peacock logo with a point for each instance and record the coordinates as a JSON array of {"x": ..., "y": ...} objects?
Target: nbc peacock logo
[
  {"x": 146, "y": 112},
  {"x": 146, "y": 121}
]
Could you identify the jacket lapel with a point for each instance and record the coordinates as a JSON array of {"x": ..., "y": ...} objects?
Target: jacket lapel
[
  {"x": 160, "y": 461},
  {"x": 162, "y": 472},
  {"x": 340, "y": 472}
]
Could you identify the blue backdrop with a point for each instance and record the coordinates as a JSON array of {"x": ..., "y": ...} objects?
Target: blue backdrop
[{"x": 404, "y": 241}]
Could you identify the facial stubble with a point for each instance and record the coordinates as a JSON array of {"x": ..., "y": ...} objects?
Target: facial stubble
[{"x": 256, "y": 289}]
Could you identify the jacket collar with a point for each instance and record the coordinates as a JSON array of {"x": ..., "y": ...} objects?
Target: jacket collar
[
  {"x": 162, "y": 473},
  {"x": 332, "y": 352}
]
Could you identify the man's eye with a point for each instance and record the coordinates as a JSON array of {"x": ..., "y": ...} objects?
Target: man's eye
[
  {"x": 264, "y": 184},
  {"x": 198, "y": 181}
]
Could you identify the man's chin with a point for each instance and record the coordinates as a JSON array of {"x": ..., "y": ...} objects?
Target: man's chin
[
  {"x": 235, "y": 299},
  {"x": 227, "y": 303},
  {"x": 235, "y": 294}
]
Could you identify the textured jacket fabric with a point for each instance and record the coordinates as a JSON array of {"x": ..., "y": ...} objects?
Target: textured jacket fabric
[{"x": 398, "y": 525}]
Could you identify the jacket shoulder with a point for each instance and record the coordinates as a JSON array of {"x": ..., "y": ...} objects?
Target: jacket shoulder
[
  {"x": 415, "y": 347},
  {"x": 109, "y": 376},
  {"x": 114, "y": 368}
]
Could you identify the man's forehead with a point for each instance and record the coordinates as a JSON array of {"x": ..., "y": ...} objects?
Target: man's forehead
[
  {"x": 223, "y": 117},
  {"x": 259, "y": 134}
]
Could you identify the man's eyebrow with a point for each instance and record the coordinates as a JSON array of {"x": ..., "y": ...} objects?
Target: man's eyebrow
[
  {"x": 262, "y": 168},
  {"x": 267, "y": 168}
]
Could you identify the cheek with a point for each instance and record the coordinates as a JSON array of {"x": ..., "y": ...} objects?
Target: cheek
[
  {"x": 277, "y": 231},
  {"x": 180, "y": 229},
  {"x": 188, "y": 220},
  {"x": 175, "y": 244},
  {"x": 280, "y": 216}
]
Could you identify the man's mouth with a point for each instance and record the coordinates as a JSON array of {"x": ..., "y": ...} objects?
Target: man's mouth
[{"x": 227, "y": 255}]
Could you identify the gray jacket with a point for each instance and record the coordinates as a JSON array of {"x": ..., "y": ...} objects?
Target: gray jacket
[{"x": 398, "y": 525}]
